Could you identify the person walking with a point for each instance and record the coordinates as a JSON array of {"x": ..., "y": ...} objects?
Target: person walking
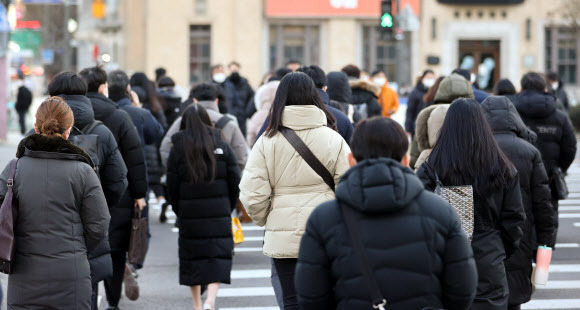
[
  {"x": 278, "y": 189},
  {"x": 170, "y": 99},
  {"x": 513, "y": 138},
  {"x": 466, "y": 154},
  {"x": 203, "y": 178},
  {"x": 22, "y": 105},
  {"x": 365, "y": 93},
  {"x": 127, "y": 137},
  {"x": 388, "y": 98},
  {"x": 479, "y": 94},
  {"x": 439, "y": 270},
  {"x": 205, "y": 94},
  {"x": 62, "y": 215},
  {"x": 268, "y": 92},
  {"x": 556, "y": 138},
  {"x": 242, "y": 97},
  {"x": 450, "y": 88},
  {"x": 556, "y": 88},
  {"x": 340, "y": 94},
  {"x": 415, "y": 102}
]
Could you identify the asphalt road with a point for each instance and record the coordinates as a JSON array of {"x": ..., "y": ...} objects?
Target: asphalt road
[{"x": 251, "y": 288}]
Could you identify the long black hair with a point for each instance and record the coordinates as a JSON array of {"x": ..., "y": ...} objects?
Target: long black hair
[
  {"x": 151, "y": 102},
  {"x": 466, "y": 152},
  {"x": 198, "y": 144},
  {"x": 295, "y": 89}
]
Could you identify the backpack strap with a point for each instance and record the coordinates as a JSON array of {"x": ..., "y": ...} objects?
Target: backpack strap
[
  {"x": 351, "y": 218},
  {"x": 308, "y": 156},
  {"x": 89, "y": 128},
  {"x": 222, "y": 122}
]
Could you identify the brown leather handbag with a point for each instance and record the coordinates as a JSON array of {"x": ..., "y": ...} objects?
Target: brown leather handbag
[
  {"x": 138, "y": 241},
  {"x": 7, "y": 218}
]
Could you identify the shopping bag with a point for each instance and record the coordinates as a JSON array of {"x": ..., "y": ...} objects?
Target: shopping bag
[{"x": 237, "y": 230}]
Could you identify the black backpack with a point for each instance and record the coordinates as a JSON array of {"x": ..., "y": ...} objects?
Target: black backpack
[{"x": 89, "y": 142}]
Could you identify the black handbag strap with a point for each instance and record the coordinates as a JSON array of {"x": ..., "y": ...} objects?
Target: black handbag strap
[
  {"x": 308, "y": 156},
  {"x": 351, "y": 218}
]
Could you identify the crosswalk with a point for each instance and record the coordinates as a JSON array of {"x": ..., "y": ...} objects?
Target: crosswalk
[
  {"x": 563, "y": 288},
  {"x": 251, "y": 287}
]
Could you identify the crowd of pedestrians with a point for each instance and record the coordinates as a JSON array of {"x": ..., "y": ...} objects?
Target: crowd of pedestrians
[{"x": 350, "y": 200}]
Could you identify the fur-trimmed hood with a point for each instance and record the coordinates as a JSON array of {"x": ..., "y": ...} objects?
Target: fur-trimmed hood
[
  {"x": 40, "y": 146},
  {"x": 423, "y": 130},
  {"x": 365, "y": 85}
]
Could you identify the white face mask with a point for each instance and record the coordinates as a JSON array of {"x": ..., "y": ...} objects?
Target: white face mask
[
  {"x": 555, "y": 85},
  {"x": 380, "y": 81},
  {"x": 219, "y": 77},
  {"x": 428, "y": 83}
]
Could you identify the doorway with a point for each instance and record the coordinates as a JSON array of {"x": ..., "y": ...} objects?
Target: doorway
[{"x": 481, "y": 57}]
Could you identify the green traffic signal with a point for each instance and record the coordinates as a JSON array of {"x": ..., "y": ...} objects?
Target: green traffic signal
[{"x": 387, "y": 20}]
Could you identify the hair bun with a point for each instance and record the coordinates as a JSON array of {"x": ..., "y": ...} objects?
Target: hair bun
[{"x": 50, "y": 127}]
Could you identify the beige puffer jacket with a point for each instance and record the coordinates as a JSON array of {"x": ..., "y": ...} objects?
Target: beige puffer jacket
[{"x": 279, "y": 189}]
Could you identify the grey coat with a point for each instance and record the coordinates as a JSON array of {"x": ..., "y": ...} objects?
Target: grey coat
[{"x": 62, "y": 214}]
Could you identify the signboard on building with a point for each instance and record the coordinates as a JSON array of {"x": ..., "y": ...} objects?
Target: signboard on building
[{"x": 330, "y": 8}]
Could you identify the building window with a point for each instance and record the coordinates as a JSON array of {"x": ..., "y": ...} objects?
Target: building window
[
  {"x": 199, "y": 54},
  {"x": 294, "y": 43},
  {"x": 378, "y": 52},
  {"x": 562, "y": 46},
  {"x": 200, "y": 7}
]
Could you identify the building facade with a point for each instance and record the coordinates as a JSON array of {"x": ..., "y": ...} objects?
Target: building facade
[
  {"x": 187, "y": 37},
  {"x": 500, "y": 38}
]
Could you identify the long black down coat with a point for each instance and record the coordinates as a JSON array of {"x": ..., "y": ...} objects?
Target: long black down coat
[
  {"x": 509, "y": 132},
  {"x": 127, "y": 137},
  {"x": 414, "y": 105},
  {"x": 556, "y": 138},
  {"x": 418, "y": 252},
  {"x": 498, "y": 216},
  {"x": 62, "y": 214},
  {"x": 204, "y": 213}
]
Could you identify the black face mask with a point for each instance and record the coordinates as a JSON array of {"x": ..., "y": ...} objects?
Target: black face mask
[{"x": 235, "y": 77}]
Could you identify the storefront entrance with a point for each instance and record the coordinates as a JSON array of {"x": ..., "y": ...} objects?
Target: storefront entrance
[{"x": 482, "y": 57}]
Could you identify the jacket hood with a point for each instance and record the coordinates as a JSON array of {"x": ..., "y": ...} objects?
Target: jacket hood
[
  {"x": 40, "y": 146},
  {"x": 426, "y": 126},
  {"x": 209, "y": 105},
  {"x": 365, "y": 85},
  {"x": 535, "y": 104},
  {"x": 267, "y": 96},
  {"x": 378, "y": 186},
  {"x": 168, "y": 92},
  {"x": 102, "y": 105},
  {"x": 338, "y": 88},
  {"x": 502, "y": 116},
  {"x": 453, "y": 87},
  {"x": 435, "y": 122},
  {"x": 82, "y": 109},
  {"x": 302, "y": 117}
]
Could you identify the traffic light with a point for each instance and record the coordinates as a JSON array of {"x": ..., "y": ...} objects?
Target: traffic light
[{"x": 387, "y": 21}]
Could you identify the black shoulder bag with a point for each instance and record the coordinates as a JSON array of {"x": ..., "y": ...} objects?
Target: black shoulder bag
[{"x": 350, "y": 216}]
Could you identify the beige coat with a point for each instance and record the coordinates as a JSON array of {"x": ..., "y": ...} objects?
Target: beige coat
[{"x": 279, "y": 190}]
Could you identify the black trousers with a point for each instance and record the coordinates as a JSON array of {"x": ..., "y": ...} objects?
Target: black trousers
[
  {"x": 22, "y": 121},
  {"x": 114, "y": 284},
  {"x": 286, "y": 269},
  {"x": 95, "y": 297},
  {"x": 555, "y": 204}
]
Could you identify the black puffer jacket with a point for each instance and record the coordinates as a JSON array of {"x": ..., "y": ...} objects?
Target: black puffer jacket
[
  {"x": 366, "y": 92},
  {"x": 414, "y": 105},
  {"x": 509, "y": 131},
  {"x": 172, "y": 103},
  {"x": 421, "y": 257},
  {"x": 499, "y": 216},
  {"x": 112, "y": 170},
  {"x": 240, "y": 99},
  {"x": 127, "y": 137},
  {"x": 556, "y": 138},
  {"x": 204, "y": 212}
]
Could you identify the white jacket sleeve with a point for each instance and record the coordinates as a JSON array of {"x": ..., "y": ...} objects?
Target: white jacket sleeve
[
  {"x": 255, "y": 188},
  {"x": 342, "y": 162}
]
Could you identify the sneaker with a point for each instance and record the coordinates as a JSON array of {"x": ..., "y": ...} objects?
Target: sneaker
[
  {"x": 208, "y": 307},
  {"x": 131, "y": 285}
]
